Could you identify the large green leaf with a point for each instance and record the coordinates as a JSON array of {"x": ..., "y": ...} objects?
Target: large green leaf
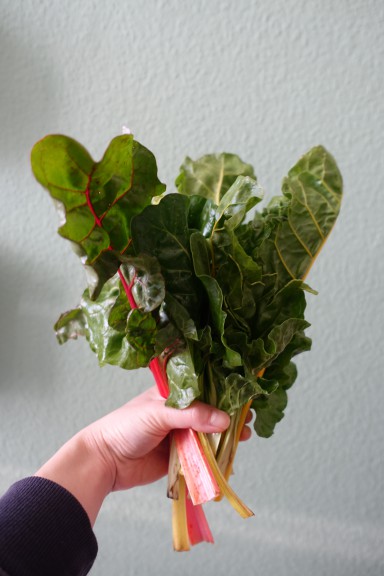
[
  {"x": 212, "y": 175},
  {"x": 97, "y": 200},
  {"x": 295, "y": 226},
  {"x": 162, "y": 231}
]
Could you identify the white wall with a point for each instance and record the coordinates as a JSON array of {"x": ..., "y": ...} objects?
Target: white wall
[{"x": 266, "y": 79}]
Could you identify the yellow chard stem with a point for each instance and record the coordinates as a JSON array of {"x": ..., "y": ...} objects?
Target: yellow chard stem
[
  {"x": 225, "y": 488},
  {"x": 179, "y": 520}
]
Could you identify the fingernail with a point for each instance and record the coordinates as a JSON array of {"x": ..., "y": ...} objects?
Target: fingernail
[{"x": 219, "y": 419}]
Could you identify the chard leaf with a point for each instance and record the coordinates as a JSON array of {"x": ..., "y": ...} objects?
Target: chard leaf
[
  {"x": 180, "y": 317},
  {"x": 211, "y": 176},
  {"x": 168, "y": 340},
  {"x": 70, "y": 325},
  {"x": 237, "y": 391},
  {"x": 269, "y": 409},
  {"x": 104, "y": 323},
  {"x": 289, "y": 302},
  {"x": 143, "y": 273},
  {"x": 243, "y": 195},
  {"x": 263, "y": 351},
  {"x": 201, "y": 215},
  {"x": 162, "y": 231},
  {"x": 294, "y": 227},
  {"x": 97, "y": 200},
  {"x": 184, "y": 382},
  {"x": 201, "y": 262},
  {"x": 141, "y": 334}
]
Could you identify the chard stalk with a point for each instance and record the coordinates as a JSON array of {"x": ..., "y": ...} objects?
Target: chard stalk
[
  {"x": 179, "y": 520},
  {"x": 198, "y": 528},
  {"x": 200, "y": 479},
  {"x": 225, "y": 488}
]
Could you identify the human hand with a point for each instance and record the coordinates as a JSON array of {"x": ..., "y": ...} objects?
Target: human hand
[
  {"x": 133, "y": 440},
  {"x": 126, "y": 448}
]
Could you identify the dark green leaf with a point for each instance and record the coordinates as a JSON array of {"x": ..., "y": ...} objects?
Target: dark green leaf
[
  {"x": 201, "y": 262},
  {"x": 263, "y": 351},
  {"x": 270, "y": 408},
  {"x": 141, "y": 334},
  {"x": 143, "y": 273},
  {"x": 162, "y": 231}
]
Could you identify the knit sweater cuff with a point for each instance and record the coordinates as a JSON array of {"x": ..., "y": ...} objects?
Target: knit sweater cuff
[{"x": 44, "y": 530}]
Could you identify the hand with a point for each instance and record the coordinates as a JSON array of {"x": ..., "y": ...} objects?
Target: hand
[
  {"x": 133, "y": 441},
  {"x": 126, "y": 448}
]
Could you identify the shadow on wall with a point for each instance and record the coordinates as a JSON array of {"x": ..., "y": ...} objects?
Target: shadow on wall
[
  {"x": 25, "y": 314},
  {"x": 27, "y": 101}
]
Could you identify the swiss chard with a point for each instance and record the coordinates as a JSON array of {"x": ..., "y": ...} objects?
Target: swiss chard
[{"x": 198, "y": 285}]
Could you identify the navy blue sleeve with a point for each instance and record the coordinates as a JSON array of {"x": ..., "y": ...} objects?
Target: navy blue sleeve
[{"x": 44, "y": 531}]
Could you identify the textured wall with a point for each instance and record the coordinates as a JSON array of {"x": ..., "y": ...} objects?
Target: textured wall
[{"x": 266, "y": 79}]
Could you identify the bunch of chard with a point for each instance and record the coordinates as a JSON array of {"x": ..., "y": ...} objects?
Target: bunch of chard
[{"x": 197, "y": 284}]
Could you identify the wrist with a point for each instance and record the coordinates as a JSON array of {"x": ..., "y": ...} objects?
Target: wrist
[{"x": 80, "y": 467}]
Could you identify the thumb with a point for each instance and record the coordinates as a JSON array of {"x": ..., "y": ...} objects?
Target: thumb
[{"x": 199, "y": 416}]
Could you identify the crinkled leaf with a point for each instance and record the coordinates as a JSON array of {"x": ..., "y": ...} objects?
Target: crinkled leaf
[
  {"x": 141, "y": 334},
  {"x": 263, "y": 351},
  {"x": 201, "y": 262},
  {"x": 270, "y": 408},
  {"x": 180, "y": 317},
  {"x": 103, "y": 321},
  {"x": 97, "y": 200},
  {"x": 243, "y": 195},
  {"x": 295, "y": 226},
  {"x": 143, "y": 273},
  {"x": 162, "y": 231},
  {"x": 169, "y": 340},
  {"x": 289, "y": 302},
  {"x": 70, "y": 325},
  {"x": 212, "y": 175},
  {"x": 184, "y": 382},
  {"x": 237, "y": 274},
  {"x": 237, "y": 391}
]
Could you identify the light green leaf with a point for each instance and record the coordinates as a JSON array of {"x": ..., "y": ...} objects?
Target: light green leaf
[
  {"x": 237, "y": 391},
  {"x": 243, "y": 195},
  {"x": 212, "y": 175},
  {"x": 97, "y": 200},
  {"x": 298, "y": 223},
  {"x": 184, "y": 382}
]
